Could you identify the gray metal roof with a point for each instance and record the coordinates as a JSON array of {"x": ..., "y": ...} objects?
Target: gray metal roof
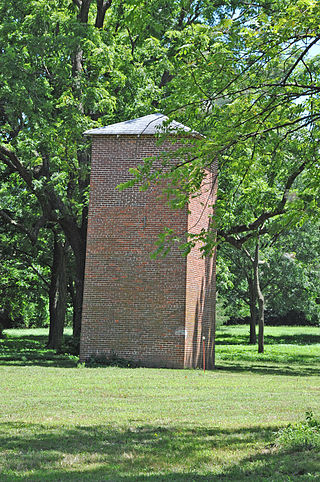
[{"x": 149, "y": 124}]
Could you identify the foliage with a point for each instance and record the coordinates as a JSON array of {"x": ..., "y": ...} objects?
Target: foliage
[
  {"x": 248, "y": 83},
  {"x": 272, "y": 318},
  {"x": 304, "y": 435},
  {"x": 65, "y": 67},
  {"x": 289, "y": 277},
  {"x": 295, "y": 270},
  {"x": 23, "y": 295},
  {"x": 221, "y": 316},
  {"x": 245, "y": 75},
  {"x": 111, "y": 361}
]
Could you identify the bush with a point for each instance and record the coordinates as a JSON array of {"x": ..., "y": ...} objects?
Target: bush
[
  {"x": 111, "y": 361},
  {"x": 70, "y": 346},
  {"x": 221, "y": 316},
  {"x": 291, "y": 318},
  {"x": 305, "y": 435},
  {"x": 271, "y": 318}
]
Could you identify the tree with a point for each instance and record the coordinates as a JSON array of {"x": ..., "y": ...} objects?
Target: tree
[
  {"x": 24, "y": 280},
  {"x": 235, "y": 284},
  {"x": 250, "y": 85},
  {"x": 254, "y": 93},
  {"x": 289, "y": 276},
  {"x": 65, "y": 67},
  {"x": 238, "y": 73},
  {"x": 41, "y": 134}
]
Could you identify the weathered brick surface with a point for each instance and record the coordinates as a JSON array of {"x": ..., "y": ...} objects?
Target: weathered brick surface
[
  {"x": 201, "y": 278},
  {"x": 151, "y": 311}
]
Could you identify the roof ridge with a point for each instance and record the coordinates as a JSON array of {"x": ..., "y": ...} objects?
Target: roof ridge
[{"x": 150, "y": 124}]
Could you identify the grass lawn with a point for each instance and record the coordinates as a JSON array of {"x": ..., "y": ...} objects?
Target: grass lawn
[{"x": 59, "y": 421}]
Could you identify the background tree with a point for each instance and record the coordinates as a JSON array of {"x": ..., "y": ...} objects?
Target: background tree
[
  {"x": 251, "y": 85},
  {"x": 65, "y": 67},
  {"x": 289, "y": 278},
  {"x": 241, "y": 74}
]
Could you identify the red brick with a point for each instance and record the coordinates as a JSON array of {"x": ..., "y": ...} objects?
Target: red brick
[{"x": 151, "y": 311}]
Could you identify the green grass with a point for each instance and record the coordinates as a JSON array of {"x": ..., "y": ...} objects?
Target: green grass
[
  {"x": 288, "y": 350},
  {"x": 60, "y": 422},
  {"x": 23, "y": 347}
]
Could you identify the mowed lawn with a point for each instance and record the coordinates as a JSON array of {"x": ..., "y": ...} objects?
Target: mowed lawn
[{"x": 61, "y": 421}]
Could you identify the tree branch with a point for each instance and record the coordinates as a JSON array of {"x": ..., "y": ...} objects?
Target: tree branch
[
  {"x": 260, "y": 220},
  {"x": 18, "y": 226},
  {"x": 299, "y": 59},
  {"x": 12, "y": 161}
]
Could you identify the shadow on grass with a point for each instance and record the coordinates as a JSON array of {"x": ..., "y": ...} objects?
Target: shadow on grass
[
  {"x": 283, "y": 339},
  {"x": 27, "y": 350},
  {"x": 268, "y": 369},
  {"x": 37, "y": 452}
]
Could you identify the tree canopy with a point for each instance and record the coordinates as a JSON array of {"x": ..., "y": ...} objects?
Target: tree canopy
[{"x": 245, "y": 75}]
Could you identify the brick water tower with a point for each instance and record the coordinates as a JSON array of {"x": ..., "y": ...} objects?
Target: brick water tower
[{"x": 152, "y": 311}]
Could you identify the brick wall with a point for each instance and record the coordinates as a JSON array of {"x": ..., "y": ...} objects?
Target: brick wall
[
  {"x": 134, "y": 306},
  {"x": 201, "y": 280}
]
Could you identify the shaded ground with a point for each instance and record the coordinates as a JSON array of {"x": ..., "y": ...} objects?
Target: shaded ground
[
  {"x": 26, "y": 349},
  {"x": 285, "y": 349},
  {"x": 290, "y": 350},
  {"x": 63, "y": 423},
  {"x": 147, "y": 452},
  {"x": 224, "y": 338}
]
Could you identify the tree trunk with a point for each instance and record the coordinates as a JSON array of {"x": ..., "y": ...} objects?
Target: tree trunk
[
  {"x": 57, "y": 295},
  {"x": 102, "y": 7},
  {"x": 253, "y": 311},
  {"x": 260, "y": 299},
  {"x": 77, "y": 239},
  {"x": 78, "y": 295},
  {"x": 261, "y": 324}
]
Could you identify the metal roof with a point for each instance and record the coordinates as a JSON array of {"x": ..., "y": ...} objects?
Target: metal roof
[{"x": 149, "y": 124}]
